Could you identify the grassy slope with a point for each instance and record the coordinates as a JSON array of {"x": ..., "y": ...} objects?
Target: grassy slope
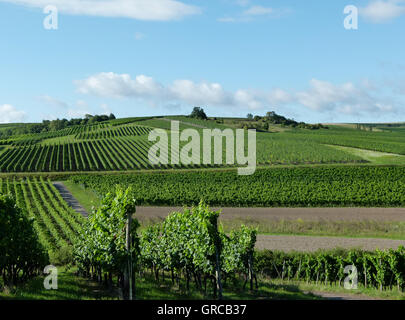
[
  {"x": 375, "y": 157},
  {"x": 87, "y": 198}
]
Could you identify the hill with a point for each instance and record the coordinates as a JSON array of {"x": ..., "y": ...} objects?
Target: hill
[{"x": 122, "y": 144}]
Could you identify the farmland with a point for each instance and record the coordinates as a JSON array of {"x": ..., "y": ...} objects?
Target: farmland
[
  {"x": 339, "y": 166},
  {"x": 123, "y": 145},
  {"x": 275, "y": 187},
  {"x": 55, "y": 222}
]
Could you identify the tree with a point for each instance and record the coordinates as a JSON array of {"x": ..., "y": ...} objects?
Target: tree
[
  {"x": 198, "y": 113},
  {"x": 111, "y": 116},
  {"x": 249, "y": 116}
]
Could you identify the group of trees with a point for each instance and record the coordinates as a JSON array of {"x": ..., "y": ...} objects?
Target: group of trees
[
  {"x": 53, "y": 125},
  {"x": 271, "y": 117},
  {"x": 59, "y": 124},
  {"x": 198, "y": 113}
]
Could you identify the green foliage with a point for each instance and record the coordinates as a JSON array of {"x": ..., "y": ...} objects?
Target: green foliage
[
  {"x": 379, "y": 269},
  {"x": 21, "y": 254},
  {"x": 62, "y": 256},
  {"x": 184, "y": 240},
  {"x": 198, "y": 113},
  {"x": 238, "y": 248},
  {"x": 277, "y": 187},
  {"x": 190, "y": 241},
  {"x": 55, "y": 223},
  {"x": 102, "y": 244}
]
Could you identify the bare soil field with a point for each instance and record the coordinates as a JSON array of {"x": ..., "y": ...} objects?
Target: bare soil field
[
  {"x": 305, "y": 243},
  {"x": 305, "y": 214}
]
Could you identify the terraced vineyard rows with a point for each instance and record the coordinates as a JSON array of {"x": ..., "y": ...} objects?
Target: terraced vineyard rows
[
  {"x": 123, "y": 145},
  {"x": 55, "y": 222},
  {"x": 94, "y": 155},
  {"x": 30, "y": 139},
  {"x": 114, "y": 132}
]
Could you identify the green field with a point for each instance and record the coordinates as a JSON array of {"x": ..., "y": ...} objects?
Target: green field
[
  {"x": 123, "y": 145},
  {"x": 272, "y": 187},
  {"x": 337, "y": 166}
]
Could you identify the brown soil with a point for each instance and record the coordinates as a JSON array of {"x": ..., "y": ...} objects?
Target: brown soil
[{"x": 306, "y": 243}]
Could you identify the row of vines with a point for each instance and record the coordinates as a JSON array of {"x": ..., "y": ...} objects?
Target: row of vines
[
  {"x": 186, "y": 245},
  {"x": 275, "y": 187},
  {"x": 93, "y": 155},
  {"x": 56, "y": 224},
  {"x": 114, "y": 132},
  {"x": 382, "y": 269}
]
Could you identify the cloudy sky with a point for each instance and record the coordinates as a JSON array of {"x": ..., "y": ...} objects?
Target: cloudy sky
[{"x": 232, "y": 57}]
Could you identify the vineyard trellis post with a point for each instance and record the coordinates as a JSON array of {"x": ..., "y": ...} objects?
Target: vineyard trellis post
[{"x": 128, "y": 272}]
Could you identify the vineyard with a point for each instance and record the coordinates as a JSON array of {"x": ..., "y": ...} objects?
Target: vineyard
[
  {"x": 379, "y": 269},
  {"x": 275, "y": 187},
  {"x": 190, "y": 245},
  {"x": 299, "y": 168},
  {"x": 56, "y": 224},
  {"x": 122, "y": 144}
]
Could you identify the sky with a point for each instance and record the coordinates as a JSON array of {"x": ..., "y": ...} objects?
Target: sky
[{"x": 303, "y": 59}]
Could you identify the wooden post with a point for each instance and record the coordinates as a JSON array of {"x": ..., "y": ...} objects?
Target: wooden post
[
  {"x": 250, "y": 271},
  {"x": 128, "y": 271},
  {"x": 218, "y": 276}
]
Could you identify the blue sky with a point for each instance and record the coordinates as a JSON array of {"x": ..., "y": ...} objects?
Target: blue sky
[{"x": 232, "y": 57}]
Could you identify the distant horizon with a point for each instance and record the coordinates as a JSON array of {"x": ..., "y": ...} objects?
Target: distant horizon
[{"x": 210, "y": 118}]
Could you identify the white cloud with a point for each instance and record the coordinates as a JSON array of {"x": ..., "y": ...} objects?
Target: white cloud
[
  {"x": 258, "y": 11},
  {"x": 81, "y": 104},
  {"x": 227, "y": 19},
  {"x": 346, "y": 98},
  {"x": 76, "y": 113},
  {"x": 159, "y": 10},
  {"x": 321, "y": 96},
  {"x": 255, "y": 12},
  {"x": 198, "y": 93},
  {"x": 380, "y": 11},
  {"x": 109, "y": 84},
  {"x": 53, "y": 102},
  {"x": 10, "y": 114},
  {"x": 243, "y": 3}
]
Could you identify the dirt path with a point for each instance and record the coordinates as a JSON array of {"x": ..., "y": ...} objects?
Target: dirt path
[
  {"x": 342, "y": 296},
  {"x": 306, "y": 214},
  {"x": 70, "y": 199},
  {"x": 306, "y": 243},
  {"x": 284, "y": 243}
]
